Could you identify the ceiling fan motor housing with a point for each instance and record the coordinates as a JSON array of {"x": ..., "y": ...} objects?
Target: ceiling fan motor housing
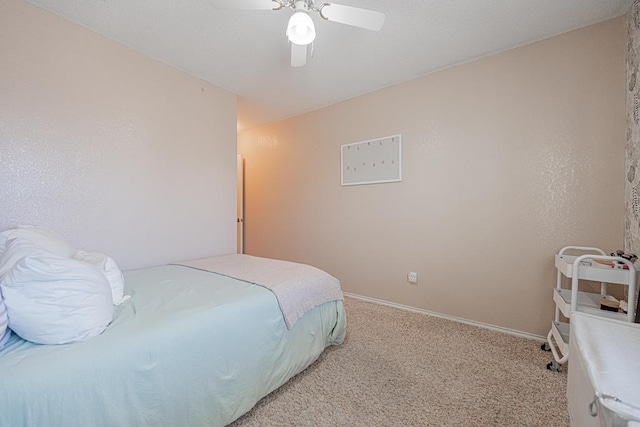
[{"x": 300, "y": 29}]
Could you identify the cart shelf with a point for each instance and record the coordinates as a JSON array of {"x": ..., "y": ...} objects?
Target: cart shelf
[
  {"x": 560, "y": 332},
  {"x": 591, "y": 270},
  {"x": 588, "y": 302}
]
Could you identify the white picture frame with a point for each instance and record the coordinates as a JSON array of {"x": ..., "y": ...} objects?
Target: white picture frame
[{"x": 375, "y": 161}]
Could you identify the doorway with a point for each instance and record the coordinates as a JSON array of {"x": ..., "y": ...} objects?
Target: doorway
[{"x": 240, "y": 207}]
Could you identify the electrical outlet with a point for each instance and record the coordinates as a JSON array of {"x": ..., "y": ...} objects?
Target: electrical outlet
[{"x": 412, "y": 277}]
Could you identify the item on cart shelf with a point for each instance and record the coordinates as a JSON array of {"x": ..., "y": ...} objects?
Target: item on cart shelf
[
  {"x": 624, "y": 306},
  {"x": 612, "y": 264},
  {"x": 628, "y": 257},
  {"x": 618, "y": 264},
  {"x": 609, "y": 305}
]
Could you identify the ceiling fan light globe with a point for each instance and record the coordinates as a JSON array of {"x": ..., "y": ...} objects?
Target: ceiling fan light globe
[{"x": 300, "y": 29}]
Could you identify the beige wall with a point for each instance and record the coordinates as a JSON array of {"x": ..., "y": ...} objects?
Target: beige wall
[
  {"x": 505, "y": 160},
  {"x": 120, "y": 153}
]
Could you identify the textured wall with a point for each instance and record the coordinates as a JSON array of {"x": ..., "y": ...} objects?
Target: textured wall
[
  {"x": 632, "y": 151},
  {"x": 505, "y": 160},
  {"x": 118, "y": 152}
]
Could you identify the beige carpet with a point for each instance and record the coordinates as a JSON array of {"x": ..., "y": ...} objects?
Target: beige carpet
[{"x": 398, "y": 368}]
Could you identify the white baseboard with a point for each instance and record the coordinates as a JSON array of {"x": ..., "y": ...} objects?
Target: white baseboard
[{"x": 445, "y": 316}]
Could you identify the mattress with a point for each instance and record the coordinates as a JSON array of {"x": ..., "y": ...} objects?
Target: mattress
[
  {"x": 189, "y": 348},
  {"x": 603, "y": 386}
]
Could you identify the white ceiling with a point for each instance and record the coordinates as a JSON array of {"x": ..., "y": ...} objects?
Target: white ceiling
[{"x": 247, "y": 53}]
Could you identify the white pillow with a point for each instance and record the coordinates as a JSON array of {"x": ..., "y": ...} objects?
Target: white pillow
[
  {"x": 3, "y": 240},
  {"x": 44, "y": 238},
  {"x": 15, "y": 250},
  {"x": 4, "y": 322},
  {"x": 55, "y": 300},
  {"x": 109, "y": 268}
]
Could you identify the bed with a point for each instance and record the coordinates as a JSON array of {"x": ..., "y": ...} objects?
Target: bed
[
  {"x": 604, "y": 374},
  {"x": 189, "y": 348}
]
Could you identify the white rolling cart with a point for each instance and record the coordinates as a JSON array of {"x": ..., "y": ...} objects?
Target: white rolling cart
[{"x": 586, "y": 267}]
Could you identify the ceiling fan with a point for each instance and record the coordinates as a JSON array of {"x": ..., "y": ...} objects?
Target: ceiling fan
[{"x": 300, "y": 31}]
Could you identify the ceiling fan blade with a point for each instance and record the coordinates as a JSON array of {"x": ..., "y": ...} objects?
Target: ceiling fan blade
[
  {"x": 298, "y": 55},
  {"x": 362, "y": 18},
  {"x": 246, "y": 4}
]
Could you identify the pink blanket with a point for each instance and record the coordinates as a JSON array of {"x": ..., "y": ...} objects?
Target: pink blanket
[{"x": 297, "y": 287}]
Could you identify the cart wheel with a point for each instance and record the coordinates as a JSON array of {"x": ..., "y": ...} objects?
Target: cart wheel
[
  {"x": 553, "y": 366},
  {"x": 545, "y": 347}
]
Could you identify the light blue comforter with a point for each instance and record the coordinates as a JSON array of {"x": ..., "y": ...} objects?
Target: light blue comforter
[{"x": 190, "y": 348}]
